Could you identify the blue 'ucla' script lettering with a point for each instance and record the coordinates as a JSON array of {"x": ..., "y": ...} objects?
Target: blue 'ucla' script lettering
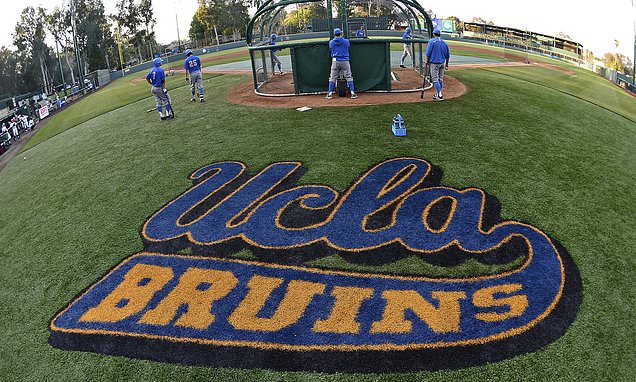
[{"x": 252, "y": 212}]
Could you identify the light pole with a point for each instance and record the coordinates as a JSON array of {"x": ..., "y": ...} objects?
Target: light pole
[
  {"x": 634, "y": 58},
  {"x": 178, "y": 37},
  {"x": 119, "y": 48}
]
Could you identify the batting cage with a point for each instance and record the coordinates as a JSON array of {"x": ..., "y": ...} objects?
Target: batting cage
[{"x": 289, "y": 44}]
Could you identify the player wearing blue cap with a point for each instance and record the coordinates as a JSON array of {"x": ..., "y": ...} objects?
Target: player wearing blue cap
[
  {"x": 407, "y": 46},
  {"x": 157, "y": 78},
  {"x": 192, "y": 67},
  {"x": 339, "y": 47},
  {"x": 275, "y": 59},
  {"x": 437, "y": 58}
]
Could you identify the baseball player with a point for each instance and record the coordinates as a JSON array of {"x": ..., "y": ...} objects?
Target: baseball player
[
  {"x": 407, "y": 46},
  {"x": 339, "y": 47},
  {"x": 360, "y": 32},
  {"x": 437, "y": 58},
  {"x": 275, "y": 59},
  {"x": 157, "y": 78},
  {"x": 14, "y": 128},
  {"x": 192, "y": 67}
]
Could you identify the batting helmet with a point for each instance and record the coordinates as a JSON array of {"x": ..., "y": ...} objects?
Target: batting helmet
[
  {"x": 408, "y": 30},
  {"x": 337, "y": 31},
  {"x": 157, "y": 61},
  {"x": 188, "y": 52}
]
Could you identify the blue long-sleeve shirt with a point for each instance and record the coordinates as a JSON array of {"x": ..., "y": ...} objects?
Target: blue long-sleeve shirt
[
  {"x": 339, "y": 48},
  {"x": 437, "y": 51}
]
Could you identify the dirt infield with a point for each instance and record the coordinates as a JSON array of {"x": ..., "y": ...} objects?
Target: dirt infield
[{"x": 243, "y": 93}]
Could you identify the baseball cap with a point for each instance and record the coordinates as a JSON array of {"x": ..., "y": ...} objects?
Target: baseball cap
[
  {"x": 337, "y": 31},
  {"x": 436, "y": 32},
  {"x": 157, "y": 61}
]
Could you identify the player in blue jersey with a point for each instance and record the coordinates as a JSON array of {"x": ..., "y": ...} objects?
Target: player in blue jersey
[
  {"x": 437, "y": 58},
  {"x": 157, "y": 78},
  {"x": 339, "y": 47},
  {"x": 275, "y": 59},
  {"x": 407, "y": 46},
  {"x": 192, "y": 67}
]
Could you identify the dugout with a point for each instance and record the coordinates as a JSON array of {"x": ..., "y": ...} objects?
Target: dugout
[{"x": 305, "y": 28}]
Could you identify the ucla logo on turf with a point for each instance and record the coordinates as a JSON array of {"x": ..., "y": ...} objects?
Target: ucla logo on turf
[{"x": 216, "y": 308}]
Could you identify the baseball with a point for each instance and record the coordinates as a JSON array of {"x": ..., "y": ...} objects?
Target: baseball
[{"x": 204, "y": 50}]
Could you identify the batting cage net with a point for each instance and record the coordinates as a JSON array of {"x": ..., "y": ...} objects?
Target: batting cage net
[
  {"x": 290, "y": 54},
  {"x": 272, "y": 66}
]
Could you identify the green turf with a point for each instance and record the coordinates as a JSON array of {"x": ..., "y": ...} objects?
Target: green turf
[
  {"x": 579, "y": 83},
  {"x": 113, "y": 96},
  {"x": 460, "y": 50},
  {"x": 73, "y": 208}
]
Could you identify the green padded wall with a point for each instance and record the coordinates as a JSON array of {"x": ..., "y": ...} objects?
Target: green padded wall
[{"x": 370, "y": 64}]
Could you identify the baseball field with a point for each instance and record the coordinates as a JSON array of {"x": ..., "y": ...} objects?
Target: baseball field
[{"x": 555, "y": 145}]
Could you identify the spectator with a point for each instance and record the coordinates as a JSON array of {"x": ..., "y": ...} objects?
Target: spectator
[{"x": 14, "y": 129}]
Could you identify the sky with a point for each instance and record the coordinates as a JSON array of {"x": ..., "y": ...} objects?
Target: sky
[{"x": 594, "y": 24}]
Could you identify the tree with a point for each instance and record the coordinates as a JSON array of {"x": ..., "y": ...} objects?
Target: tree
[
  {"x": 93, "y": 34},
  {"x": 57, "y": 25},
  {"x": 8, "y": 71},
  {"x": 255, "y": 3},
  {"x": 618, "y": 62},
  {"x": 230, "y": 16},
  {"x": 479, "y": 20},
  {"x": 197, "y": 28},
  {"x": 34, "y": 56},
  {"x": 129, "y": 20},
  {"x": 233, "y": 17},
  {"x": 148, "y": 20},
  {"x": 298, "y": 19}
]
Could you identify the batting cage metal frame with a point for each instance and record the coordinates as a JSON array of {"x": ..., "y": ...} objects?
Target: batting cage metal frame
[{"x": 304, "y": 44}]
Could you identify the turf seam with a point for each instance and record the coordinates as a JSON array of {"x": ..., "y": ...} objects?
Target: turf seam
[{"x": 558, "y": 90}]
